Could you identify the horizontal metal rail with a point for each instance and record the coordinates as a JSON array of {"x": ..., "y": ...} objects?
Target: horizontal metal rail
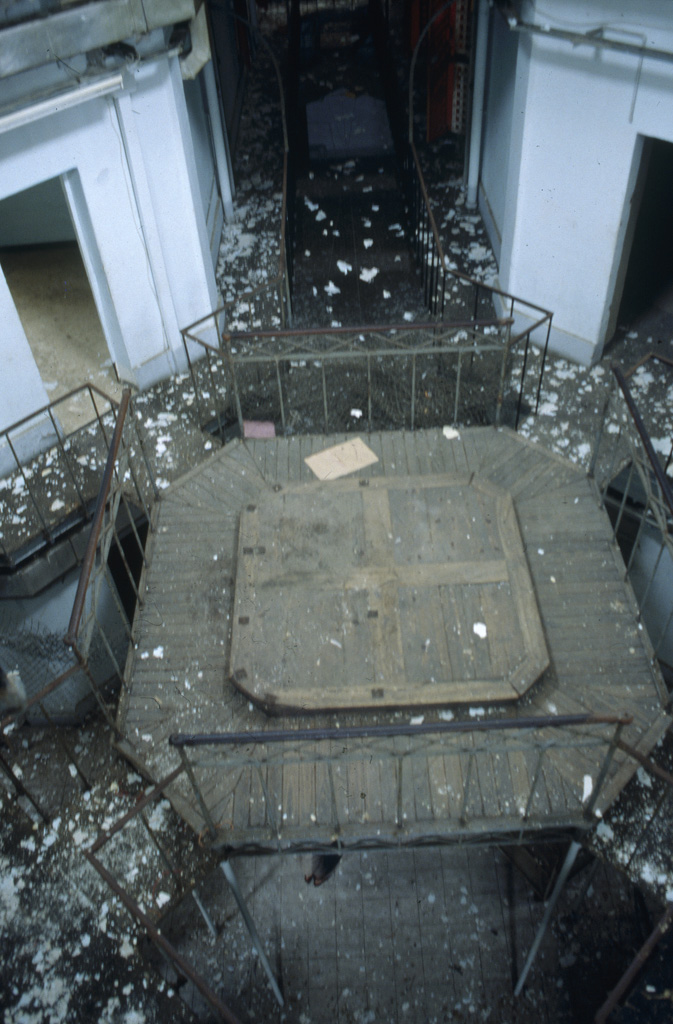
[{"x": 313, "y": 735}]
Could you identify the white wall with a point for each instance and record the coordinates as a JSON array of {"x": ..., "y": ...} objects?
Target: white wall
[
  {"x": 129, "y": 172},
  {"x": 578, "y": 118}
]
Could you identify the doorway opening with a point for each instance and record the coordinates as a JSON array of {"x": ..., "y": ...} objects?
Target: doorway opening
[
  {"x": 647, "y": 297},
  {"x": 47, "y": 279}
]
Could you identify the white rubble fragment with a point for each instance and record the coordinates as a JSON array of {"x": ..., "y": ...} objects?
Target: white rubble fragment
[
  {"x": 450, "y": 433},
  {"x": 332, "y": 289},
  {"x": 588, "y": 788},
  {"x": 368, "y": 274},
  {"x": 356, "y": 413},
  {"x": 480, "y": 629},
  {"x": 158, "y": 652},
  {"x": 344, "y": 267}
]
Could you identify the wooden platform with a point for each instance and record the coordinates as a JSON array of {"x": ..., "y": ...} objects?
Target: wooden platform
[
  {"x": 402, "y": 592},
  {"x": 405, "y": 789}
]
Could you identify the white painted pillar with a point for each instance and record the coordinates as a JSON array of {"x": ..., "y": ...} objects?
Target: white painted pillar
[
  {"x": 225, "y": 174},
  {"x": 478, "y": 104}
]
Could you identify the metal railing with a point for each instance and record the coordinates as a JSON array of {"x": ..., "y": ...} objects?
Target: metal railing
[
  {"x": 99, "y": 629},
  {"x": 649, "y": 848},
  {"x": 148, "y": 921},
  {"x": 443, "y": 283},
  {"x": 51, "y": 471},
  {"x": 274, "y": 296},
  {"x": 397, "y": 376},
  {"x": 328, "y": 750},
  {"x": 636, "y": 491}
]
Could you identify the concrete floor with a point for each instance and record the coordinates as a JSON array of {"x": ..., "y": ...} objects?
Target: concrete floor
[{"x": 54, "y": 300}]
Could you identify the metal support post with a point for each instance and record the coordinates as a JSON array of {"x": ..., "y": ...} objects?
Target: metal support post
[
  {"x": 573, "y": 850},
  {"x": 204, "y": 914},
  {"x": 228, "y": 872}
]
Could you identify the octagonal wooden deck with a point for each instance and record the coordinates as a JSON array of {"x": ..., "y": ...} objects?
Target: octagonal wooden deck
[{"x": 569, "y": 578}]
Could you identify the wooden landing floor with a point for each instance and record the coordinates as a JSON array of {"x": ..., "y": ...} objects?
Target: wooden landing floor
[{"x": 404, "y": 789}]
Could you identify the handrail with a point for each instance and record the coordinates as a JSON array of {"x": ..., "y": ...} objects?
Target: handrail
[
  {"x": 57, "y": 401},
  {"x": 404, "y": 729},
  {"x": 662, "y": 480},
  {"x": 92, "y": 545}
]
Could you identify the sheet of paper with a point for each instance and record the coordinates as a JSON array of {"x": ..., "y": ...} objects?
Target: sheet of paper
[{"x": 341, "y": 459}]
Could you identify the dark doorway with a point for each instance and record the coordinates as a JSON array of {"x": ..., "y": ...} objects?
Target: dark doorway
[{"x": 648, "y": 285}]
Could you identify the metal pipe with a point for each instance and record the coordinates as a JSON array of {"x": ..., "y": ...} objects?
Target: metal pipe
[
  {"x": 571, "y": 855},
  {"x": 404, "y": 729},
  {"x": 592, "y": 38},
  {"x": 478, "y": 94}
]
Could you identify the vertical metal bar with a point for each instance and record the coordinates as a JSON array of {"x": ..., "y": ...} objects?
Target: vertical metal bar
[
  {"x": 413, "y": 389},
  {"x": 270, "y": 808},
  {"x": 96, "y": 691},
  {"x": 399, "y": 812},
  {"x": 599, "y": 432},
  {"x": 324, "y": 395},
  {"x": 204, "y": 914},
  {"x": 605, "y": 767},
  {"x": 122, "y": 555},
  {"x": 369, "y": 392},
  {"x": 641, "y": 523},
  {"x": 615, "y": 529},
  {"x": 466, "y": 788},
  {"x": 332, "y": 790},
  {"x": 120, "y": 608},
  {"x": 521, "y": 382},
  {"x": 533, "y": 785},
  {"x": 457, "y": 395},
  {"x": 212, "y": 828},
  {"x": 143, "y": 451},
  {"x": 234, "y": 381},
  {"x": 544, "y": 360},
  {"x": 571, "y": 855},
  {"x": 213, "y": 392},
  {"x": 67, "y": 460},
  {"x": 30, "y": 492},
  {"x": 160, "y": 850},
  {"x": 250, "y": 925},
  {"x": 129, "y": 465},
  {"x": 134, "y": 529},
  {"x": 280, "y": 395}
]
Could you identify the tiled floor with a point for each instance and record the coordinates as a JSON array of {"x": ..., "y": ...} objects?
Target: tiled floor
[{"x": 423, "y": 935}]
